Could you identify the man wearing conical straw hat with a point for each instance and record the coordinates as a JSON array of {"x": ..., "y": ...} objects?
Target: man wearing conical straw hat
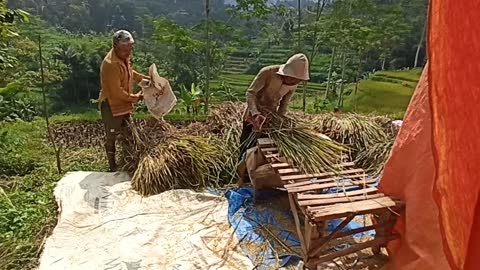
[
  {"x": 116, "y": 96},
  {"x": 271, "y": 91}
]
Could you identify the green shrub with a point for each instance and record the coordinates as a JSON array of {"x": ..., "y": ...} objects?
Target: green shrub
[{"x": 12, "y": 161}]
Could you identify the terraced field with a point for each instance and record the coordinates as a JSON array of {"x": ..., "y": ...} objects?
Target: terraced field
[
  {"x": 274, "y": 56},
  {"x": 387, "y": 92},
  {"x": 237, "y": 65},
  {"x": 239, "y": 83}
]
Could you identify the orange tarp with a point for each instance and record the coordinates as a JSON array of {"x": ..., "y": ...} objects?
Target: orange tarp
[
  {"x": 435, "y": 162},
  {"x": 454, "y": 45},
  {"x": 409, "y": 175}
]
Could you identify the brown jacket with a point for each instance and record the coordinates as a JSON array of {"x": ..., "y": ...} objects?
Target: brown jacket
[
  {"x": 116, "y": 77},
  {"x": 267, "y": 93}
]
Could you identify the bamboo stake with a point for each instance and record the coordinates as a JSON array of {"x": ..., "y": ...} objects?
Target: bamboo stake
[{"x": 45, "y": 110}]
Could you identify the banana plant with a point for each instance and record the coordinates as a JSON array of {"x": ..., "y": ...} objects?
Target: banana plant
[
  {"x": 227, "y": 92},
  {"x": 191, "y": 99}
]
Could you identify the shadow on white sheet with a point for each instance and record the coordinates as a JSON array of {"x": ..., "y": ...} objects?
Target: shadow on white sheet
[{"x": 103, "y": 224}]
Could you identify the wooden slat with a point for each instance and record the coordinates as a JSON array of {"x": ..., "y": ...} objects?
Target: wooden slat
[
  {"x": 329, "y": 237},
  {"x": 288, "y": 171},
  {"x": 295, "y": 170},
  {"x": 313, "y": 187},
  {"x": 339, "y": 200},
  {"x": 318, "y": 175},
  {"x": 326, "y": 180},
  {"x": 302, "y": 196},
  {"x": 364, "y": 229},
  {"x": 352, "y": 249},
  {"x": 265, "y": 142},
  {"x": 347, "y": 164},
  {"x": 293, "y": 208},
  {"x": 269, "y": 149},
  {"x": 280, "y": 165},
  {"x": 272, "y": 156},
  {"x": 359, "y": 207},
  {"x": 308, "y": 233}
]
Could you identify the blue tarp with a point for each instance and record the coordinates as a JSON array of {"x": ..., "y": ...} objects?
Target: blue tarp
[{"x": 246, "y": 218}]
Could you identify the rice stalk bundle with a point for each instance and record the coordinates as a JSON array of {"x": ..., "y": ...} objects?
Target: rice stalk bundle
[
  {"x": 381, "y": 120},
  {"x": 225, "y": 116},
  {"x": 226, "y": 120},
  {"x": 141, "y": 139},
  {"x": 354, "y": 130},
  {"x": 373, "y": 158},
  {"x": 181, "y": 158},
  {"x": 306, "y": 150},
  {"x": 386, "y": 123},
  {"x": 179, "y": 162}
]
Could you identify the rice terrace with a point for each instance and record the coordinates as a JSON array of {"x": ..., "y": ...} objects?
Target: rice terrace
[{"x": 218, "y": 134}]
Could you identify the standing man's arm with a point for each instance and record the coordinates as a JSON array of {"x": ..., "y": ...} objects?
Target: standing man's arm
[
  {"x": 282, "y": 109},
  {"x": 138, "y": 77},
  {"x": 257, "y": 85}
]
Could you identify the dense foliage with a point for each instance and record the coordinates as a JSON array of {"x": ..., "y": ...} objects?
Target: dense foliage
[{"x": 343, "y": 38}]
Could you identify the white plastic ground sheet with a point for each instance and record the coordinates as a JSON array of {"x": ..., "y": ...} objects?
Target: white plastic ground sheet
[{"x": 103, "y": 224}]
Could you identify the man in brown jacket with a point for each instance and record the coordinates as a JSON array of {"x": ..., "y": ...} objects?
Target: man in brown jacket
[
  {"x": 271, "y": 91},
  {"x": 116, "y": 97}
]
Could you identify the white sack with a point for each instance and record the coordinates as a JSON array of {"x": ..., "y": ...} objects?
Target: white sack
[{"x": 157, "y": 94}]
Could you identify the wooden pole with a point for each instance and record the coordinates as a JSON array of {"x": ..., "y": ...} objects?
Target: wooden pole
[
  {"x": 332, "y": 62},
  {"x": 420, "y": 43},
  {"x": 340, "y": 98},
  {"x": 45, "y": 108}
]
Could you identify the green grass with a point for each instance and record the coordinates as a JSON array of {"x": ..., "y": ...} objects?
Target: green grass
[
  {"x": 90, "y": 115},
  {"x": 386, "y": 97},
  {"x": 274, "y": 57},
  {"x": 177, "y": 115},
  {"x": 379, "y": 97},
  {"x": 27, "y": 178},
  {"x": 238, "y": 77},
  {"x": 407, "y": 75}
]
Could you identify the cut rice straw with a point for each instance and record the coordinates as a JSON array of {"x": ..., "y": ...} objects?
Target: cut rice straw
[{"x": 306, "y": 150}]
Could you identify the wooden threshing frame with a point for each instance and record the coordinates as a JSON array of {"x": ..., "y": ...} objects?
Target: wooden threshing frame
[{"x": 313, "y": 207}]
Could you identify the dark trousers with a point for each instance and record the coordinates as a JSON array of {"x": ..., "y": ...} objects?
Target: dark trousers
[
  {"x": 115, "y": 126},
  {"x": 248, "y": 138},
  {"x": 245, "y": 141}
]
